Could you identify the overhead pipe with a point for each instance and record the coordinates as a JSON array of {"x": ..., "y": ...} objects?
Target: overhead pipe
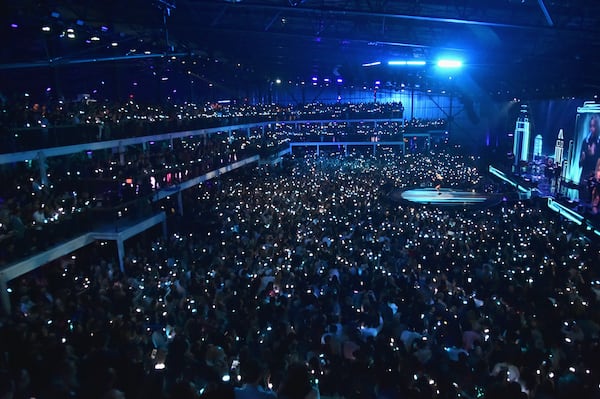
[{"x": 56, "y": 62}]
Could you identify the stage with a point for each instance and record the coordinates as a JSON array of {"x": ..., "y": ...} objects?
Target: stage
[{"x": 445, "y": 197}]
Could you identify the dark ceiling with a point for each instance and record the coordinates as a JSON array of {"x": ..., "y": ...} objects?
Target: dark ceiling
[{"x": 522, "y": 48}]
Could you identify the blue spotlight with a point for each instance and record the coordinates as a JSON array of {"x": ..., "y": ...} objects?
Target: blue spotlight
[{"x": 447, "y": 63}]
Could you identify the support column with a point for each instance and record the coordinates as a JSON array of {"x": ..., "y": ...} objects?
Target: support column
[
  {"x": 374, "y": 145},
  {"x": 121, "y": 154},
  {"x": 450, "y": 116},
  {"x": 171, "y": 142},
  {"x": 318, "y": 150},
  {"x": 412, "y": 104},
  {"x": 121, "y": 254},
  {"x": 4, "y": 294},
  {"x": 43, "y": 168},
  {"x": 180, "y": 203},
  {"x": 164, "y": 228}
]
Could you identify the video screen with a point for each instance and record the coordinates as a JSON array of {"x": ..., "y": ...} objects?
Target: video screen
[{"x": 585, "y": 160}]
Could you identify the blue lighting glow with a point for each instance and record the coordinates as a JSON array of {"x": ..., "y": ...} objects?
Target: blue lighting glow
[
  {"x": 502, "y": 176},
  {"x": 564, "y": 211},
  {"x": 444, "y": 196},
  {"x": 449, "y": 63},
  {"x": 370, "y": 64}
]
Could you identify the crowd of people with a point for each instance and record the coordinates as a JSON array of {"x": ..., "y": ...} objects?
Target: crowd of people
[
  {"x": 27, "y": 125},
  {"x": 370, "y": 131},
  {"x": 31, "y": 205},
  {"x": 306, "y": 280},
  {"x": 86, "y": 110}
]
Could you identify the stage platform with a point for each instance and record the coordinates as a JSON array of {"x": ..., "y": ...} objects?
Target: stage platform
[{"x": 445, "y": 197}]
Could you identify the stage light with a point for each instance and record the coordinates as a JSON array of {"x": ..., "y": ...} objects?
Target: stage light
[
  {"x": 278, "y": 81},
  {"x": 448, "y": 63},
  {"x": 94, "y": 38},
  {"x": 14, "y": 26},
  {"x": 70, "y": 33},
  {"x": 45, "y": 29},
  {"x": 114, "y": 44},
  {"x": 407, "y": 63},
  {"x": 339, "y": 80},
  {"x": 370, "y": 64}
]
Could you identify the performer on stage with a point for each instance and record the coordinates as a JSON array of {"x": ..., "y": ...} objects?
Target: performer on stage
[
  {"x": 595, "y": 188},
  {"x": 438, "y": 183}
]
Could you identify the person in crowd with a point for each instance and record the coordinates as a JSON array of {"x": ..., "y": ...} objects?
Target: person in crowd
[
  {"x": 253, "y": 374},
  {"x": 297, "y": 384}
]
